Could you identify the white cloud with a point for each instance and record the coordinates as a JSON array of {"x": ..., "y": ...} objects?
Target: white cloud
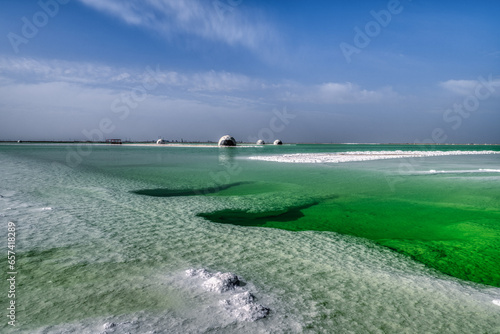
[
  {"x": 222, "y": 81},
  {"x": 61, "y": 110},
  {"x": 339, "y": 93},
  {"x": 195, "y": 85},
  {"x": 59, "y": 99},
  {"x": 62, "y": 98},
  {"x": 461, "y": 87},
  {"x": 332, "y": 92},
  {"x": 205, "y": 19},
  {"x": 468, "y": 87},
  {"x": 31, "y": 70}
]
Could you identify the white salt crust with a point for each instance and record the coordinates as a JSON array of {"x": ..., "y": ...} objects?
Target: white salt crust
[
  {"x": 359, "y": 156},
  {"x": 240, "y": 304}
]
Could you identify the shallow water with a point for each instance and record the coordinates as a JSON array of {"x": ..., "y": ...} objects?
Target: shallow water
[{"x": 105, "y": 234}]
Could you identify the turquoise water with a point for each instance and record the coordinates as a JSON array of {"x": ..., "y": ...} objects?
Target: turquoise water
[{"x": 105, "y": 234}]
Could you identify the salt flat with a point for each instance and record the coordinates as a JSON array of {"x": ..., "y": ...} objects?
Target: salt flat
[{"x": 360, "y": 156}]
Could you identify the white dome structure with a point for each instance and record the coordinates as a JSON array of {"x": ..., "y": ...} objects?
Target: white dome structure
[
  {"x": 160, "y": 141},
  {"x": 278, "y": 142},
  {"x": 260, "y": 142},
  {"x": 227, "y": 140}
]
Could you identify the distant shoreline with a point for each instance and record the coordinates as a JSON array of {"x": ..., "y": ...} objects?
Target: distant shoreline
[{"x": 204, "y": 144}]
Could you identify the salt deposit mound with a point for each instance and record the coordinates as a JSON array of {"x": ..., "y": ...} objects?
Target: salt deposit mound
[
  {"x": 239, "y": 303},
  {"x": 221, "y": 282},
  {"x": 242, "y": 306}
]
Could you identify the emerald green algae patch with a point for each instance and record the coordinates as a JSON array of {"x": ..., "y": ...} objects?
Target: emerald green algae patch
[{"x": 461, "y": 242}]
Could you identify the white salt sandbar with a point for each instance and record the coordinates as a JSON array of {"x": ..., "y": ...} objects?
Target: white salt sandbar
[
  {"x": 460, "y": 171},
  {"x": 359, "y": 156}
]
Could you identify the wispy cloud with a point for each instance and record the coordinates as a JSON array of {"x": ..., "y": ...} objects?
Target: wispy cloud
[
  {"x": 46, "y": 93},
  {"x": 33, "y": 70},
  {"x": 82, "y": 91},
  {"x": 192, "y": 17},
  {"x": 461, "y": 87},
  {"x": 348, "y": 92},
  {"x": 338, "y": 93},
  {"x": 467, "y": 87}
]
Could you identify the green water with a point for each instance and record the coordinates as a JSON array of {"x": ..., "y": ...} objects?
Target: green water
[
  {"x": 459, "y": 241},
  {"x": 349, "y": 248},
  {"x": 451, "y": 224}
]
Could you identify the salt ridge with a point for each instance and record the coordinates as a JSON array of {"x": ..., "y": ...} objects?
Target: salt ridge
[
  {"x": 360, "y": 156},
  {"x": 480, "y": 170}
]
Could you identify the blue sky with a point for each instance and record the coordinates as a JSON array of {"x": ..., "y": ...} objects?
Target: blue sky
[{"x": 301, "y": 71}]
